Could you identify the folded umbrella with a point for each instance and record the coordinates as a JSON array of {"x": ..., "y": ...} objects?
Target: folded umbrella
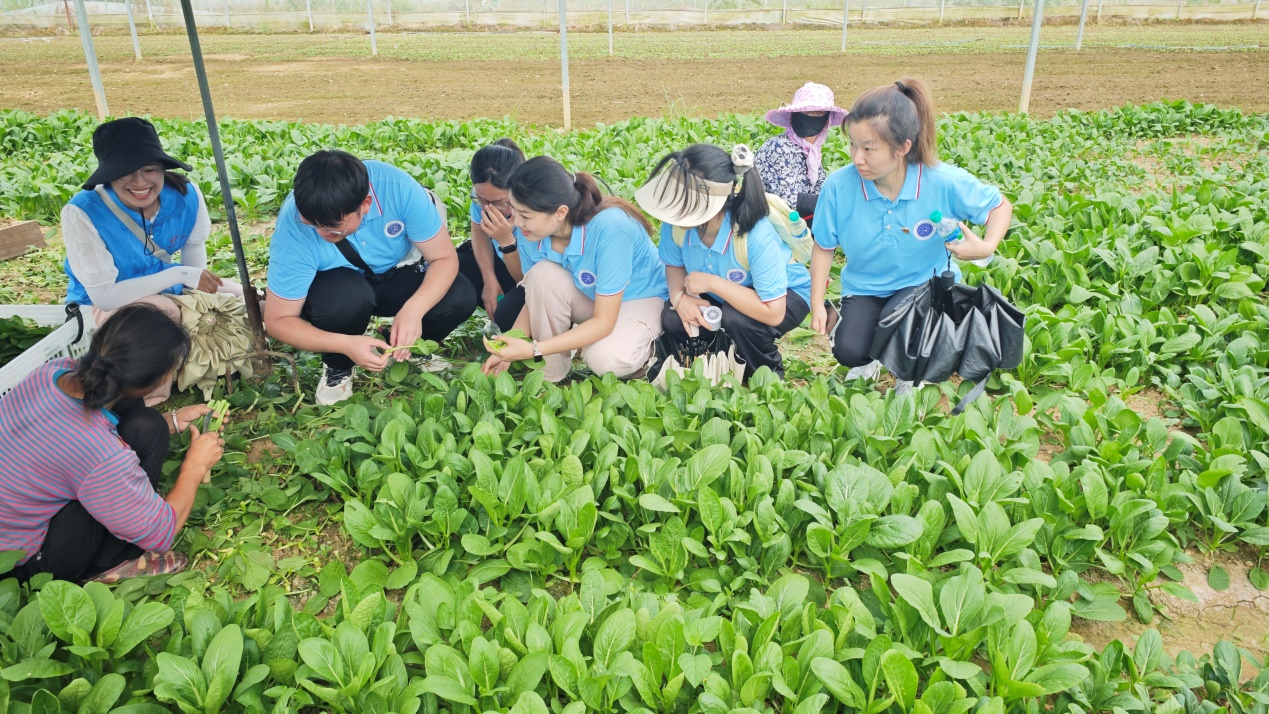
[
  {"x": 714, "y": 350},
  {"x": 217, "y": 326},
  {"x": 941, "y": 327}
]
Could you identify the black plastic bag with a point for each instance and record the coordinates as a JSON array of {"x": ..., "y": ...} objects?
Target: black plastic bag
[{"x": 944, "y": 327}]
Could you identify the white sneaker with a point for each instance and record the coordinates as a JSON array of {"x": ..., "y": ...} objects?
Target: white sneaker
[
  {"x": 335, "y": 386},
  {"x": 867, "y": 371}
]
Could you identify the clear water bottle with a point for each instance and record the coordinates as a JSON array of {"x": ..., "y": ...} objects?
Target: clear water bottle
[
  {"x": 794, "y": 217},
  {"x": 949, "y": 231}
]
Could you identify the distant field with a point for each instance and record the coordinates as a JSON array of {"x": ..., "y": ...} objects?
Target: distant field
[{"x": 331, "y": 77}]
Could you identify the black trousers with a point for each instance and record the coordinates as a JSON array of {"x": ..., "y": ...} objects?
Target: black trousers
[
  {"x": 77, "y": 547},
  {"x": 755, "y": 341},
  {"x": 512, "y": 301},
  {"x": 852, "y": 340},
  {"x": 343, "y": 300}
]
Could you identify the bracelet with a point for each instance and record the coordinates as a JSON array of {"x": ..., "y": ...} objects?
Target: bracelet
[
  {"x": 175, "y": 426},
  {"x": 674, "y": 301}
]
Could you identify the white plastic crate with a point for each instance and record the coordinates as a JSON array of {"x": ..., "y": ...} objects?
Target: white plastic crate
[{"x": 58, "y": 343}]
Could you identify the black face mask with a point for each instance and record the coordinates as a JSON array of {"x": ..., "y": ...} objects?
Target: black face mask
[{"x": 807, "y": 126}]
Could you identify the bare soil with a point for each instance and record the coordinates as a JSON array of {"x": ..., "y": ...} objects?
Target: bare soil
[
  {"x": 1239, "y": 614},
  {"x": 1150, "y": 403},
  {"x": 353, "y": 90}
]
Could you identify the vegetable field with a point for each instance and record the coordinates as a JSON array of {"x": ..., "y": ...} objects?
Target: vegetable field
[{"x": 466, "y": 544}]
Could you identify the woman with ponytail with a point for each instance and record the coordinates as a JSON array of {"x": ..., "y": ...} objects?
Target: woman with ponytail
[
  {"x": 82, "y": 457},
  {"x": 491, "y": 259},
  {"x": 883, "y": 212},
  {"x": 592, "y": 278},
  {"x": 712, "y": 206}
]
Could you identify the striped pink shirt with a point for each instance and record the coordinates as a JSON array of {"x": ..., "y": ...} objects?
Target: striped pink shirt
[{"x": 52, "y": 452}]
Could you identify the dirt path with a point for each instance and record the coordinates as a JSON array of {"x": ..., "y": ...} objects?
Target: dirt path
[{"x": 351, "y": 90}]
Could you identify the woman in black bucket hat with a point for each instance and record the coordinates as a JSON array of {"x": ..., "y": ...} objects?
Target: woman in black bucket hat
[{"x": 124, "y": 229}]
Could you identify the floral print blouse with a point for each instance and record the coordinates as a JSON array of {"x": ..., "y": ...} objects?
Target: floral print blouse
[{"x": 782, "y": 166}]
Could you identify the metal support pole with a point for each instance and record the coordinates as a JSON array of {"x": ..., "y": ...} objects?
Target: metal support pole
[
  {"x": 1255, "y": 10},
  {"x": 1037, "y": 19},
  {"x": 845, "y": 21},
  {"x": 467, "y": 10},
  {"x": 226, "y": 191},
  {"x": 610, "y": 28},
  {"x": 1079, "y": 36},
  {"x": 1099, "y": 10},
  {"x": 370, "y": 13},
  {"x": 863, "y": 12},
  {"x": 1179, "y": 4},
  {"x": 388, "y": 4},
  {"x": 228, "y": 22},
  {"x": 628, "y": 12},
  {"x": 149, "y": 13},
  {"x": 1021, "y": 4},
  {"x": 308, "y": 6},
  {"x": 784, "y": 13},
  {"x": 568, "y": 110},
  {"x": 90, "y": 54},
  {"x": 942, "y": 4},
  {"x": 70, "y": 25},
  {"x": 132, "y": 27}
]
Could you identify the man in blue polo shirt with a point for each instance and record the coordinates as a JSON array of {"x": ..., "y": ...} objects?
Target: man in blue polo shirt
[{"x": 354, "y": 240}]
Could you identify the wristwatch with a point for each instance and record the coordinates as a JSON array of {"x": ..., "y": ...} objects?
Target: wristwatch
[
  {"x": 537, "y": 351},
  {"x": 507, "y": 249}
]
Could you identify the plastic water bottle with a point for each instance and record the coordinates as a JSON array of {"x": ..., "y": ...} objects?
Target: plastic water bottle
[
  {"x": 949, "y": 231},
  {"x": 794, "y": 217}
]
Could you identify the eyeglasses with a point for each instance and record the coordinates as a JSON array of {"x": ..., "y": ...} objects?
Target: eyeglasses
[
  {"x": 503, "y": 204},
  {"x": 333, "y": 232}
]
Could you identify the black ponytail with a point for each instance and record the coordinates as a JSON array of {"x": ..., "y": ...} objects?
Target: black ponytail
[
  {"x": 543, "y": 184},
  {"x": 135, "y": 348},
  {"x": 747, "y": 204},
  {"x": 900, "y": 112},
  {"x": 495, "y": 163}
]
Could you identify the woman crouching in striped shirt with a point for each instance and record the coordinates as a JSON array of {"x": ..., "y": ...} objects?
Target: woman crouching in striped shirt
[{"x": 81, "y": 456}]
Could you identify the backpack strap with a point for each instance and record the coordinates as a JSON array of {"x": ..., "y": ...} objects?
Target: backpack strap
[
  {"x": 742, "y": 251},
  {"x": 678, "y": 234},
  {"x": 131, "y": 224},
  {"x": 352, "y": 256}
]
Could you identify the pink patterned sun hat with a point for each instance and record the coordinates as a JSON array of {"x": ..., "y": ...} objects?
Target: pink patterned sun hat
[{"x": 811, "y": 97}]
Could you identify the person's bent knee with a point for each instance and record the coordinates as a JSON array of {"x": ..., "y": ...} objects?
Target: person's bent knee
[
  {"x": 546, "y": 276},
  {"x": 850, "y": 353},
  {"x": 620, "y": 362},
  {"x": 339, "y": 302},
  {"x": 145, "y": 429}
]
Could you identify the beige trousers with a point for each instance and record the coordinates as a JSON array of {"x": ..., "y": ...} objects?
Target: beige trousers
[
  {"x": 555, "y": 305},
  {"x": 172, "y": 310}
]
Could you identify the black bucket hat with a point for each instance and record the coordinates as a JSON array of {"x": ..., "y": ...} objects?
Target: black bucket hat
[{"x": 125, "y": 145}]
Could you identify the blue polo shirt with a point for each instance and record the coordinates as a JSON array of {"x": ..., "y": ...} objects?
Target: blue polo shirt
[
  {"x": 611, "y": 254},
  {"x": 877, "y": 235},
  {"x": 770, "y": 273},
  {"x": 401, "y": 215},
  {"x": 477, "y": 213}
]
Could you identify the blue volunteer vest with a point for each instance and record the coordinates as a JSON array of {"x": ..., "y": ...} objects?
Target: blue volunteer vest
[{"x": 170, "y": 229}]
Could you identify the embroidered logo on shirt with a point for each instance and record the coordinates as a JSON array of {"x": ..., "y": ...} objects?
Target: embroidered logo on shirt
[
  {"x": 924, "y": 229},
  {"x": 393, "y": 228},
  {"x": 587, "y": 278},
  {"x": 737, "y": 276}
]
